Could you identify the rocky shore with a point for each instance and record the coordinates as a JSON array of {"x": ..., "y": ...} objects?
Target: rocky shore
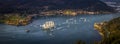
[
  {"x": 110, "y": 31},
  {"x": 100, "y": 27}
]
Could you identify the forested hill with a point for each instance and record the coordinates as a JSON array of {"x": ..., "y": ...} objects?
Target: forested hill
[{"x": 10, "y": 6}]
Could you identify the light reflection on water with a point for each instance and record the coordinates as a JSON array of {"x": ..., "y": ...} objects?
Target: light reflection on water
[{"x": 67, "y": 30}]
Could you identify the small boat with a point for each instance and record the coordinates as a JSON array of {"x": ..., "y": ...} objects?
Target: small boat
[
  {"x": 84, "y": 19},
  {"x": 27, "y": 31},
  {"x": 48, "y": 25}
]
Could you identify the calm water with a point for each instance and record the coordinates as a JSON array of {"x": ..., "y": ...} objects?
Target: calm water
[{"x": 68, "y": 30}]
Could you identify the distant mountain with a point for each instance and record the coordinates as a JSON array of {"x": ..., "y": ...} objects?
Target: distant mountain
[
  {"x": 10, "y": 6},
  {"x": 111, "y": 0}
]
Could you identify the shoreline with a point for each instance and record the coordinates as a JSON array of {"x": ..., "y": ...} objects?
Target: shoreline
[
  {"x": 31, "y": 17},
  {"x": 110, "y": 31},
  {"x": 99, "y": 27}
]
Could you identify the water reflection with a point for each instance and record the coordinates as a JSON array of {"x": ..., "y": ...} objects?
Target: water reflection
[{"x": 66, "y": 30}]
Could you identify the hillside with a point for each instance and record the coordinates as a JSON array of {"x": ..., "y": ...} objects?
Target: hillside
[
  {"x": 113, "y": 26},
  {"x": 35, "y": 6}
]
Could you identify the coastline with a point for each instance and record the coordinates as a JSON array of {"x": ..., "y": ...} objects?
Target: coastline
[
  {"x": 29, "y": 17},
  {"x": 99, "y": 27},
  {"x": 109, "y": 31}
]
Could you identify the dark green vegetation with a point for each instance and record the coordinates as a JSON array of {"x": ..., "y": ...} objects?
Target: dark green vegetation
[
  {"x": 80, "y": 42},
  {"x": 14, "y": 19},
  {"x": 113, "y": 27},
  {"x": 35, "y": 6},
  {"x": 2, "y": 19}
]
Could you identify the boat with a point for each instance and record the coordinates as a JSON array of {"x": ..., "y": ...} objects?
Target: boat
[
  {"x": 84, "y": 19},
  {"x": 48, "y": 25}
]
